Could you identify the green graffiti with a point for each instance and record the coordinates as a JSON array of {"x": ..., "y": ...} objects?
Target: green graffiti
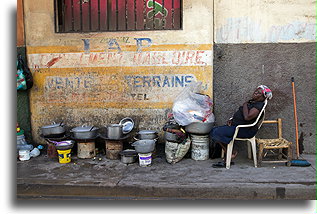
[{"x": 158, "y": 8}]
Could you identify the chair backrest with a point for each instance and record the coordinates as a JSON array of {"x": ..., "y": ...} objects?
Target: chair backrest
[
  {"x": 259, "y": 120},
  {"x": 278, "y": 121}
]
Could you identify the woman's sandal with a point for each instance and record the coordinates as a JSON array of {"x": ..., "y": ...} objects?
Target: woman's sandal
[{"x": 221, "y": 164}]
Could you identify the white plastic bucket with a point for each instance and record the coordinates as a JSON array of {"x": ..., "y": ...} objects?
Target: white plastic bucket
[
  {"x": 24, "y": 155},
  {"x": 200, "y": 151},
  {"x": 145, "y": 159}
]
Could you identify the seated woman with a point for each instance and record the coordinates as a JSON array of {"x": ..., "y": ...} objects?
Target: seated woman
[{"x": 246, "y": 114}]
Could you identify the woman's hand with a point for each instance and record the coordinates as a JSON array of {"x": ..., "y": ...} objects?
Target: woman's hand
[{"x": 229, "y": 122}]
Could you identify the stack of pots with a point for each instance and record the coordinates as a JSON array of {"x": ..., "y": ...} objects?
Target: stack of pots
[{"x": 145, "y": 145}]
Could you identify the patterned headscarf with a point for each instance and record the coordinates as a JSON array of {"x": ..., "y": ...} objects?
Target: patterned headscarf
[{"x": 267, "y": 93}]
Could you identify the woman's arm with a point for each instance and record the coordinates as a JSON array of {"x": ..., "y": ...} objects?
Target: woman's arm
[{"x": 249, "y": 114}]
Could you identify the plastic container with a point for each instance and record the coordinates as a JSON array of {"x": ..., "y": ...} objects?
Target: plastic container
[
  {"x": 24, "y": 155},
  {"x": 21, "y": 139},
  {"x": 35, "y": 152},
  {"x": 24, "y": 147},
  {"x": 64, "y": 156},
  {"x": 145, "y": 159}
]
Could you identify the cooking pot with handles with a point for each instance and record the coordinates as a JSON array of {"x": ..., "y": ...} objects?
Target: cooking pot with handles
[
  {"x": 144, "y": 146},
  {"x": 53, "y": 129},
  {"x": 85, "y": 132},
  {"x": 114, "y": 131}
]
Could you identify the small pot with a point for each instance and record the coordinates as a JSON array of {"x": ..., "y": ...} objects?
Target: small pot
[
  {"x": 171, "y": 137},
  {"x": 114, "y": 131},
  {"x": 144, "y": 146},
  {"x": 146, "y": 135},
  {"x": 128, "y": 156},
  {"x": 53, "y": 129},
  {"x": 85, "y": 132}
]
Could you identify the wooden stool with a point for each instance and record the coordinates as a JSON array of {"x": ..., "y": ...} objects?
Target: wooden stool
[{"x": 275, "y": 144}]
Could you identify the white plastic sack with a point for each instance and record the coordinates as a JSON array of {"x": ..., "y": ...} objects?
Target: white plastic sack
[
  {"x": 190, "y": 106},
  {"x": 175, "y": 152}
]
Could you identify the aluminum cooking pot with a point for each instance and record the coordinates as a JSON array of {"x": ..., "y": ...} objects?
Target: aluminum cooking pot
[
  {"x": 146, "y": 134},
  {"x": 144, "y": 146},
  {"x": 114, "y": 131},
  {"x": 128, "y": 156},
  {"x": 53, "y": 129},
  {"x": 85, "y": 132}
]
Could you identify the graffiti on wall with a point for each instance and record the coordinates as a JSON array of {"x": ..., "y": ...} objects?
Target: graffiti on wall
[
  {"x": 128, "y": 58},
  {"x": 119, "y": 74},
  {"x": 114, "y": 88},
  {"x": 244, "y": 29}
]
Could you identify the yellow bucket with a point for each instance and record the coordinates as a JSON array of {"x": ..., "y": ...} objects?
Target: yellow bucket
[{"x": 64, "y": 156}]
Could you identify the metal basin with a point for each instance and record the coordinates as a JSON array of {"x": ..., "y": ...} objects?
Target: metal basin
[{"x": 199, "y": 128}]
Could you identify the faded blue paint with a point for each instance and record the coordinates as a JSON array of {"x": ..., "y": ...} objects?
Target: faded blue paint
[
  {"x": 159, "y": 81},
  {"x": 140, "y": 45}
]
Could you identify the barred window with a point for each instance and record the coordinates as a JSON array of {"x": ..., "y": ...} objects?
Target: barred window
[{"x": 117, "y": 15}]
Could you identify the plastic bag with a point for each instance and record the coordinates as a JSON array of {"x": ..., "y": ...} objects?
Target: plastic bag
[
  {"x": 191, "y": 106},
  {"x": 24, "y": 75}
]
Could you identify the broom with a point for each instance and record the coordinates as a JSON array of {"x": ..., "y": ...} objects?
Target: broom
[{"x": 297, "y": 162}]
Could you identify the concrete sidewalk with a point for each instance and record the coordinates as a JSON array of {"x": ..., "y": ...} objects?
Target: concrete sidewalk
[{"x": 45, "y": 178}]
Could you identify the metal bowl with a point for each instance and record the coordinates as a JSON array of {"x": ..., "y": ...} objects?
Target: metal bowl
[
  {"x": 127, "y": 125},
  {"x": 199, "y": 128}
]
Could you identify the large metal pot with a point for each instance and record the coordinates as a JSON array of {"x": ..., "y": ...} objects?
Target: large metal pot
[
  {"x": 53, "y": 129},
  {"x": 199, "y": 128},
  {"x": 144, "y": 146},
  {"x": 85, "y": 132},
  {"x": 146, "y": 135},
  {"x": 114, "y": 131}
]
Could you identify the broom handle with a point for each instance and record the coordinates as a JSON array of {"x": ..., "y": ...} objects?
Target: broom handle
[{"x": 295, "y": 116}]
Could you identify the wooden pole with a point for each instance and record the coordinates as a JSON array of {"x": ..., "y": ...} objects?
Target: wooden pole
[{"x": 295, "y": 117}]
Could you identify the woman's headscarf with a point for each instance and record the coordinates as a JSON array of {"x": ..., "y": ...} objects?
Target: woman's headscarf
[{"x": 267, "y": 93}]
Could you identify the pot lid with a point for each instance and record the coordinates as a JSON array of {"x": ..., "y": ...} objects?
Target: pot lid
[
  {"x": 84, "y": 129},
  {"x": 127, "y": 124},
  {"x": 147, "y": 132},
  {"x": 53, "y": 125}
]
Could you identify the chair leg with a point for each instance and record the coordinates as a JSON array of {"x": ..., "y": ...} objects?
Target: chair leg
[
  {"x": 260, "y": 153},
  {"x": 253, "y": 145},
  {"x": 249, "y": 149},
  {"x": 289, "y": 155},
  {"x": 222, "y": 153},
  {"x": 229, "y": 154}
]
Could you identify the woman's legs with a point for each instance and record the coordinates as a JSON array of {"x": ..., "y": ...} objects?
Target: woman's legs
[{"x": 223, "y": 135}]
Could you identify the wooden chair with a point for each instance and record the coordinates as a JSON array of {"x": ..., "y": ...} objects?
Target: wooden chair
[{"x": 275, "y": 146}]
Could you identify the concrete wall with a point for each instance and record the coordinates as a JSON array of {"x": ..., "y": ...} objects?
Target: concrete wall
[
  {"x": 90, "y": 79},
  {"x": 267, "y": 42}
]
